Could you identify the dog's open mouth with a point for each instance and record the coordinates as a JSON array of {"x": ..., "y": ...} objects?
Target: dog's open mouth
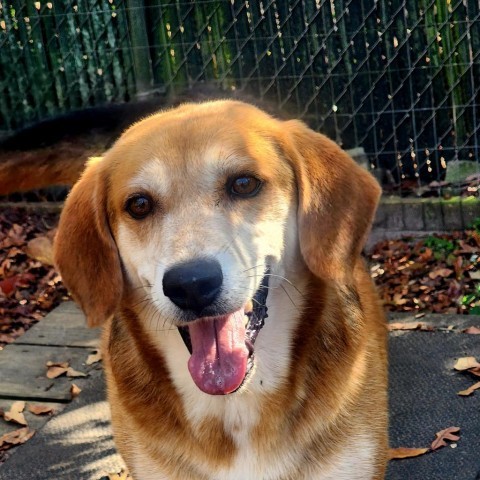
[{"x": 222, "y": 348}]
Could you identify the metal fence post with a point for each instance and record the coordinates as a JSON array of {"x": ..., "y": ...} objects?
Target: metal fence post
[{"x": 140, "y": 46}]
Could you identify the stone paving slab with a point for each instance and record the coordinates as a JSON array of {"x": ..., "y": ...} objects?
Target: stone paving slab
[
  {"x": 64, "y": 327},
  {"x": 23, "y": 372}
]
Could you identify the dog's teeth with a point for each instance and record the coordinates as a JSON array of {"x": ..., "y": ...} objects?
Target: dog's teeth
[{"x": 248, "y": 306}]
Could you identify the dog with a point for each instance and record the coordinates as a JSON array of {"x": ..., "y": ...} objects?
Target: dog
[{"x": 243, "y": 337}]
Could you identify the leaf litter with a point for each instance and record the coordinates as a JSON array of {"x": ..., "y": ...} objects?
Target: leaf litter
[
  {"x": 441, "y": 438},
  {"x": 29, "y": 286},
  {"x": 438, "y": 274},
  {"x": 17, "y": 437},
  {"x": 57, "y": 369},
  {"x": 41, "y": 409},
  {"x": 468, "y": 365},
  {"x": 15, "y": 414}
]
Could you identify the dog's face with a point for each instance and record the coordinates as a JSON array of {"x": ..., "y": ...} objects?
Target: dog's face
[
  {"x": 194, "y": 211},
  {"x": 199, "y": 198},
  {"x": 199, "y": 215}
]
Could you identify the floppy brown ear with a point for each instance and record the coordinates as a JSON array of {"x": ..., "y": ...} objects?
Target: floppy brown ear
[
  {"x": 337, "y": 202},
  {"x": 85, "y": 252}
]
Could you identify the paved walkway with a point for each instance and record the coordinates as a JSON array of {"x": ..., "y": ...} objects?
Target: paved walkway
[{"x": 75, "y": 443}]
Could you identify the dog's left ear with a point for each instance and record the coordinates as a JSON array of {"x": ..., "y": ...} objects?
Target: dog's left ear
[{"x": 337, "y": 200}]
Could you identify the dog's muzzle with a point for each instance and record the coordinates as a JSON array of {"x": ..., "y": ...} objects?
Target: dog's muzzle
[{"x": 221, "y": 361}]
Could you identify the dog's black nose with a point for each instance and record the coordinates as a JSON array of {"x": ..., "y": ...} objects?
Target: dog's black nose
[{"x": 193, "y": 285}]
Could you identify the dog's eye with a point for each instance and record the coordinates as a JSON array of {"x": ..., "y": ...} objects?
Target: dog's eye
[
  {"x": 245, "y": 186},
  {"x": 139, "y": 206}
]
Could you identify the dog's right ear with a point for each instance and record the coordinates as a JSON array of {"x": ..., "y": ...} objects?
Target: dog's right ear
[{"x": 85, "y": 252}]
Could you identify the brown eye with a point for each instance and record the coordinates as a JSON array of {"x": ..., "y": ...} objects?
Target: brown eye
[
  {"x": 245, "y": 186},
  {"x": 139, "y": 206}
]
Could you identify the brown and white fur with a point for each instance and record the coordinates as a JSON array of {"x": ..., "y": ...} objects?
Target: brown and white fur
[{"x": 315, "y": 404}]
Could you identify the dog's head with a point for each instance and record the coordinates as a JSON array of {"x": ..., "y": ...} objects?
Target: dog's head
[{"x": 194, "y": 209}]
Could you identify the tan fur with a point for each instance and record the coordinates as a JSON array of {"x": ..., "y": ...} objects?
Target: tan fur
[
  {"x": 316, "y": 405},
  {"x": 30, "y": 170}
]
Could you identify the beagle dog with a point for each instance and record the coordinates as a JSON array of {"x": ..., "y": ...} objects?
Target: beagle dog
[{"x": 243, "y": 337}]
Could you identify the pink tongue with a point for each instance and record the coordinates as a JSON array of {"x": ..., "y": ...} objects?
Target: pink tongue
[{"x": 218, "y": 363}]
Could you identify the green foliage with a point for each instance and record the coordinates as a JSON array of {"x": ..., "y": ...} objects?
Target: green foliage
[
  {"x": 439, "y": 245},
  {"x": 471, "y": 302},
  {"x": 475, "y": 225}
]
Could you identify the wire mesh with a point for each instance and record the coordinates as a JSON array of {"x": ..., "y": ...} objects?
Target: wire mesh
[{"x": 399, "y": 78}]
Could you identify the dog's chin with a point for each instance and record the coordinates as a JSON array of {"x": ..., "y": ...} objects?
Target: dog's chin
[{"x": 222, "y": 347}]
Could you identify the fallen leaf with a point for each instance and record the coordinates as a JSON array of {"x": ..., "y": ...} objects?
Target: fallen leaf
[
  {"x": 54, "y": 370},
  {"x": 446, "y": 434},
  {"x": 440, "y": 272},
  {"x": 17, "y": 437},
  {"x": 403, "y": 452},
  {"x": 75, "y": 390},
  {"x": 41, "y": 409},
  {"x": 410, "y": 326},
  {"x": 122, "y": 475},
  {"x": 74, "y": 373},
  {"x": 474, "y": 371},
  {"x": 466, "y": 363},
  {"x": 399, "y": 300},
  {"x": 40, "y": 248},
  {"x": 469, "y": 390},
  {"x": 472, "y": 330},
  {"x": 94, "y": 357},
  {"x": 57, "y": 364},
  {"x": 9, "y": 285},
  {"x": 15, "y": 414}
]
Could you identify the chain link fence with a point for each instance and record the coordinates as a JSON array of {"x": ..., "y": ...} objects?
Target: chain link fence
[{"x": 396, "y": 79}]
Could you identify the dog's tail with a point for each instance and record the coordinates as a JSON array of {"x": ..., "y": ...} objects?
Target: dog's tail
[
  {"x": 55, "y": 151},
  {"x": 21, "y": 171}
]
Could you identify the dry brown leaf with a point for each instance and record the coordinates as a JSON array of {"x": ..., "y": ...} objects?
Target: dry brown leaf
[
  {"x": 122, "y": 475},
  {"x": 440, "y": 272},
  {"x": 466, "y": 363},
  {"x": 40, "y": 248},
  {"x": 17, "y": 437},
  {"x": 474, "y": 371},
  {"x": 446, "y": 434},
  {"x": 15, "y": 414},
  {"x": 57, "y": 364},
  {"x": 469, "y": 390},
  {"x": 54, "y": 371},
  {"x": 41, "y": 409},
  {"x": 74, "y": 373},
  {"x": 410, "y": 326},
  {"x": 472, "y": 330},
  {"x": 75, "y": 390},
  {"x": 403, "y": 452},
  {"x": 94, "y": 357}
]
